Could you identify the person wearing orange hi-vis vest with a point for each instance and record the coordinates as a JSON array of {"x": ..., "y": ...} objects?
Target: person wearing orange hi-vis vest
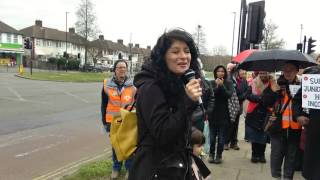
[
  {"x": 117, "y": 92},
  {"x": 285, "y": 141}
]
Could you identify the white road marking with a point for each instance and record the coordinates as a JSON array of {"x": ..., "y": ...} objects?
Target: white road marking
[
  {"x": 25, "y": 100},
  {"x": 23, "y": 139},
  {"x": 16, "y": 94},
  {"x": 75, "y": 96},
  {"x": 41, "y": 149},
  {"x": 69, "y": 167},
  {"x": 14, "y": 142}
]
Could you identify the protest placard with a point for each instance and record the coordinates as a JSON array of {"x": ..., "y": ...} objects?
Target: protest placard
[{"x": 311, "y": 91}]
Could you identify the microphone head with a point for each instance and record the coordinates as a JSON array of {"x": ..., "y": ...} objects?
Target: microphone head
[{"x": 188, "y": 75}]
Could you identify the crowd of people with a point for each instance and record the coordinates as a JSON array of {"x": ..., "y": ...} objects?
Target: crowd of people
[{"x": 172, "y": 108}]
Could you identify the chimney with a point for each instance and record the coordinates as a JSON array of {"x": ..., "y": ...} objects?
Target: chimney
[
  {"x": 136, "y": 45},
  {"x": 120, "y": 41},
  {"x": 39, "y": 23},
  {"x": 149, "y": 47},
  {"x": 72, "y": 30},
  {"x": 101, "y": 37}
]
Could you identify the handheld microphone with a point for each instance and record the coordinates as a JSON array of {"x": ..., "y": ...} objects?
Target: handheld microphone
[{"x": 188, "y": 75}]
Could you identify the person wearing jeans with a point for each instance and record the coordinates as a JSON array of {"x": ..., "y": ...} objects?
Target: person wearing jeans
[
  {"x": 220, "y": 133},
  {"x": 117, "y": 92},
  {"x": 219, "y": 119}
]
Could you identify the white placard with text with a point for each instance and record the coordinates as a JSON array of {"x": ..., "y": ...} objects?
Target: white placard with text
[{"x": 311, "y": 91}]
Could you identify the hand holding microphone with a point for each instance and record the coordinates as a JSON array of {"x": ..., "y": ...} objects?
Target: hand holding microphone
[{"x": 193, "y": 87}]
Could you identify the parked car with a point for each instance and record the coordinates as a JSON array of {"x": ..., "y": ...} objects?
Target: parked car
[{"x": 86, "y": 67}]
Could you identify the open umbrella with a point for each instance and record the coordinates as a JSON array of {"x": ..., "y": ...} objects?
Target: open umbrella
[
  {"x": 242, "y": 56},
  {"x": 273, "y": 60}
]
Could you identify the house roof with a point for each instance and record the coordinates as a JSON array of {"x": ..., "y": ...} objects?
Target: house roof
[
  {"x": 52, "y": 34},
  {"x": 109, "y": 45},
  {"x": 112, "y": 46},
  {"x": 4, "y": 28}
]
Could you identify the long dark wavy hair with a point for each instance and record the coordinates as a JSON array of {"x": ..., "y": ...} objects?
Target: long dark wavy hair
[{"x": 157, "y": 59}]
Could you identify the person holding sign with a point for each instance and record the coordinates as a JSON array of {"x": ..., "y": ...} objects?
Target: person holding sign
[
  {"x": 285, "y": 142},
  {"x": 310, "y": 118}
]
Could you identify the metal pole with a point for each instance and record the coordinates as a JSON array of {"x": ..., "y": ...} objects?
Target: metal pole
[
  {"x": 199, "y": 26},
  {"x": 66, "y": 41},
  {"x": 304, "y": 44},
  {"x": 131, "y": 71},
  {"x": 234, "y": 24},
  {"x": 301, "y": 28}
]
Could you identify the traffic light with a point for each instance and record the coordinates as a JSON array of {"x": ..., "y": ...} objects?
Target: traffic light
[
  {"x": 255, "y": 23},
  {"x": 299, "y": 47},
  {"x": 311, "y": 45},
  {"x": 27, "y": 43}
]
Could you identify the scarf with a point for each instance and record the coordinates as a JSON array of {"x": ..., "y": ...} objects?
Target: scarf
[{"x": 257, "y": 88}]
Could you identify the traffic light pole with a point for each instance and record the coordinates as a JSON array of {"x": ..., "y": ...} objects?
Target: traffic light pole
[{"x": 304, "y": 44}]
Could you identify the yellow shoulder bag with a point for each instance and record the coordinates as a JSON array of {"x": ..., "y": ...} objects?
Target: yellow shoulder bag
[{"x": 124, "y": 133}]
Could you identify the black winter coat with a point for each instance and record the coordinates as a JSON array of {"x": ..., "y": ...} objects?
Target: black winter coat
[
  {"x": 311, "y": 165},
  {"x": 256, "y": 118},
  {"x": 164, "y": 127},
  {"x": 220, "y": 114}
]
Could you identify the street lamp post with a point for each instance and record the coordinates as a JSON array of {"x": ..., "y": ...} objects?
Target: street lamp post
[
  {"x": 198, "y": 43},
  {"x": 66, "y": 41},
  {"x": 234, "y": 24},
  {"x": 130, "y": 55}
]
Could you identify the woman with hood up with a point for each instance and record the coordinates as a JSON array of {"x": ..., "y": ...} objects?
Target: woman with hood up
[
  {"x": 219, "y": 118},
  {"x": 164, "y": 105}
]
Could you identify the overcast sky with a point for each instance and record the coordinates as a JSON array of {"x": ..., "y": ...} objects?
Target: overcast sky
[{"x": 146, "y": 20}]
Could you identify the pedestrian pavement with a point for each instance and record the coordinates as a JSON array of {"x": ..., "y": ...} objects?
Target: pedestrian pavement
[{"x": 236, "y": 165}]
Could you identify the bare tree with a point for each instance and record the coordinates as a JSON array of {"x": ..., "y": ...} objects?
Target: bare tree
[
  {"x": 94, "y": 54},
  {"x": 200, "y": 38},
  {"x": 219, "y": 50},
  {"x": 270, "y": 39},
  {"x": 86, "y": 23}
]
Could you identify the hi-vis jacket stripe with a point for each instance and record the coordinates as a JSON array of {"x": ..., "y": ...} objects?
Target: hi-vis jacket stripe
[
  {"x": 116, "y": 98},
  {"x": 287, "y": 116}
]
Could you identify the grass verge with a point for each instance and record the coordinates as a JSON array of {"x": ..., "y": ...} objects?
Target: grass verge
[
  {"x": 68, "y": 76},
  {"x": 97, "y": 170}
]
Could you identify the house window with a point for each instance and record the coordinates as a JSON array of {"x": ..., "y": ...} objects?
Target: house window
[
  {"x": 8, "y": 38},
  {"x": 15, "y": 38},
  {"x": 38, "y": 42}
]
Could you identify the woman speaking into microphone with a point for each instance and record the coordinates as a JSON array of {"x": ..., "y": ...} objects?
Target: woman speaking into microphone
[{"x": 164, "y": 106}]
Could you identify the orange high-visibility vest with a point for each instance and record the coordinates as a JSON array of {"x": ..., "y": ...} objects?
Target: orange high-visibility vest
[
  {"x": 117, "y": 99},
  {"x": 287, "y": 116}
]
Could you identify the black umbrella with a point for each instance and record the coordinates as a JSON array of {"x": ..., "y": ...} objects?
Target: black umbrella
[{"x": 273, "y": 60}]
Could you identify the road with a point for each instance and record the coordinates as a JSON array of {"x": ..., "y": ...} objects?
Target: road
[{"x": 47, "y": 128}]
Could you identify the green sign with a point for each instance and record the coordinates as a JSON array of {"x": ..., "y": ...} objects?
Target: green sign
[{"x": 10, "y": 46}]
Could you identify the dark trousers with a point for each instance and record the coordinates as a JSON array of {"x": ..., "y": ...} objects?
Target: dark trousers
[
  {"x": 217, "y": 131},
  {"x": 232, "y": 132},
  {"x": 258, "y": 149},
  {"x": 285, "y": 150}
]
